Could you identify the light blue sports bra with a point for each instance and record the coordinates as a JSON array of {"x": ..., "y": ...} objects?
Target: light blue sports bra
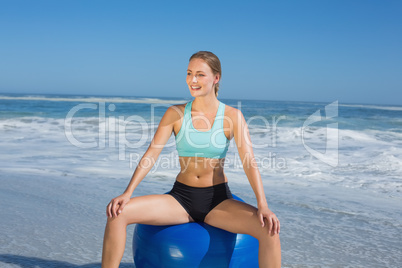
[{"x": 210, "y": 144}]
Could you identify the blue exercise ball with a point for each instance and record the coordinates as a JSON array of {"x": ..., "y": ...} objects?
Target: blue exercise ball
[{"x": 192, "y": 245}]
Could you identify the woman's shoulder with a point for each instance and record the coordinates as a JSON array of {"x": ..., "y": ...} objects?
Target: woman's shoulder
[
  {"x": 176, "y": 111},
  {"x": 180, "y": 105},
  {"x": 232, "y": 112}
]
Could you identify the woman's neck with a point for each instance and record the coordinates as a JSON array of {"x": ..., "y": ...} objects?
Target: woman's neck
[{"x": 206, "y": 105}]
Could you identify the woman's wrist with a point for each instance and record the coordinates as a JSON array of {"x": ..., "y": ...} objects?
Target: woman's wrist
[
  {"x": 127, "y": 192},
  {"x": 262, "y": 204}
]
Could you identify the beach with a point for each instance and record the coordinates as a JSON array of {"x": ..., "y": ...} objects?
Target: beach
[{"x": 333, "y": 177}]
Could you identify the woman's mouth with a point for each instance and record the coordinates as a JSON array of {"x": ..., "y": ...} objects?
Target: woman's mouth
[{"x": 195, "y": 87}]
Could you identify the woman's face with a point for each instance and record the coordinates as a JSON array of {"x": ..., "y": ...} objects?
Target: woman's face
[{"x": 200, "y": 78}]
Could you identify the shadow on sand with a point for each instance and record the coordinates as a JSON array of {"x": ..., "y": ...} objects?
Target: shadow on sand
[{"x": 30, "y": 262}]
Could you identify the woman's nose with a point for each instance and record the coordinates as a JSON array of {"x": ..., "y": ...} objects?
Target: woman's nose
[{"x": 194, "y": 79}]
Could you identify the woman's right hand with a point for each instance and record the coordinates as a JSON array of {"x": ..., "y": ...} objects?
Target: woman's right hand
[{"x": 115, "y": 207}]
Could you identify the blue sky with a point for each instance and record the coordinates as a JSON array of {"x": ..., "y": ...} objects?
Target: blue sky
[{"x": 311, "y": 50}]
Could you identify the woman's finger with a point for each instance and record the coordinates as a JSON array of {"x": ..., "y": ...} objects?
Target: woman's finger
[
  {"x": 275, "y": 229},
  {"x": 108, "y": 210},
  {"x": 261, "y": 219},
  {"x": 279, "y": 226},
  {"x": 270, "y": 224},
  {"x": 123, "y": 204},
  {"x": 114, "y": 208},
  {"x": 274, "y": 225}
]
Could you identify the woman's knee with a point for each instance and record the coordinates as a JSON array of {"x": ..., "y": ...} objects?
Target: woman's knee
[
  {"x": 121, "y": 219},
  {"x": 116, "y": 221},
  {"x": 269, "y": 240}
]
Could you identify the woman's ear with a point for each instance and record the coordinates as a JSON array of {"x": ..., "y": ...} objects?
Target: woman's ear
[{"x": 217, "y": 78}]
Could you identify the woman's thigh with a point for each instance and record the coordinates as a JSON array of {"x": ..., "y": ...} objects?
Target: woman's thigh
[
  {"x": 236, "y": 217},
  {"x": 160, "y": 209}
]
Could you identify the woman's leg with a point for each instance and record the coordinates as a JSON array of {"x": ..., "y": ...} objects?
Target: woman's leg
[
  {"x": 238, "y": 217},
  {"x": 149, "y": 209}
]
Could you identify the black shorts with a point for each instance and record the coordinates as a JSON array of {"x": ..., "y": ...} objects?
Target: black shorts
[{"x": 199, "y": 201}]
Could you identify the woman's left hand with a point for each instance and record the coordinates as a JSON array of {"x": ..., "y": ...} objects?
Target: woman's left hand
[{"x": 273, "y": 223}]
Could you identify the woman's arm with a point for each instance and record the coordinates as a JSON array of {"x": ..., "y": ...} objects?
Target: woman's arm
[
  {"x": 162, "y": 135},
  {"x": 159, "y": 140},
  {"x": 245, "y": 149}
]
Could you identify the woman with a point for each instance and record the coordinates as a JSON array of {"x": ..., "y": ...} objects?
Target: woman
[{"x": 203, "y": 129}]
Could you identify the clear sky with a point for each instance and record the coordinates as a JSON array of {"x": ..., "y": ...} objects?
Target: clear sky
[{"x": 301, "y": 50}]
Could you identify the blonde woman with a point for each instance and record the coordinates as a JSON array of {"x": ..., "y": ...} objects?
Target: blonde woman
[{"x": 203, "y": 129}]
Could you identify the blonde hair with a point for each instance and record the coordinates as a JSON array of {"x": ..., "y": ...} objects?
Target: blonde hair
[{"x": 213, "y": 62}]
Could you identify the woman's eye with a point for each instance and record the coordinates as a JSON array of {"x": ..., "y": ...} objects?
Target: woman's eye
[
  {"x": 188, "y": 73},
  {"x": 200, "y": 75}
]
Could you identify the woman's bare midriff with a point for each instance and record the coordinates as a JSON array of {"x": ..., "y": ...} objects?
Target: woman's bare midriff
[{"x": 201, "y": 172}]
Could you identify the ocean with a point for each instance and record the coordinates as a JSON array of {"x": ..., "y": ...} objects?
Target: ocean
[{"x": 332, "y": 173}]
